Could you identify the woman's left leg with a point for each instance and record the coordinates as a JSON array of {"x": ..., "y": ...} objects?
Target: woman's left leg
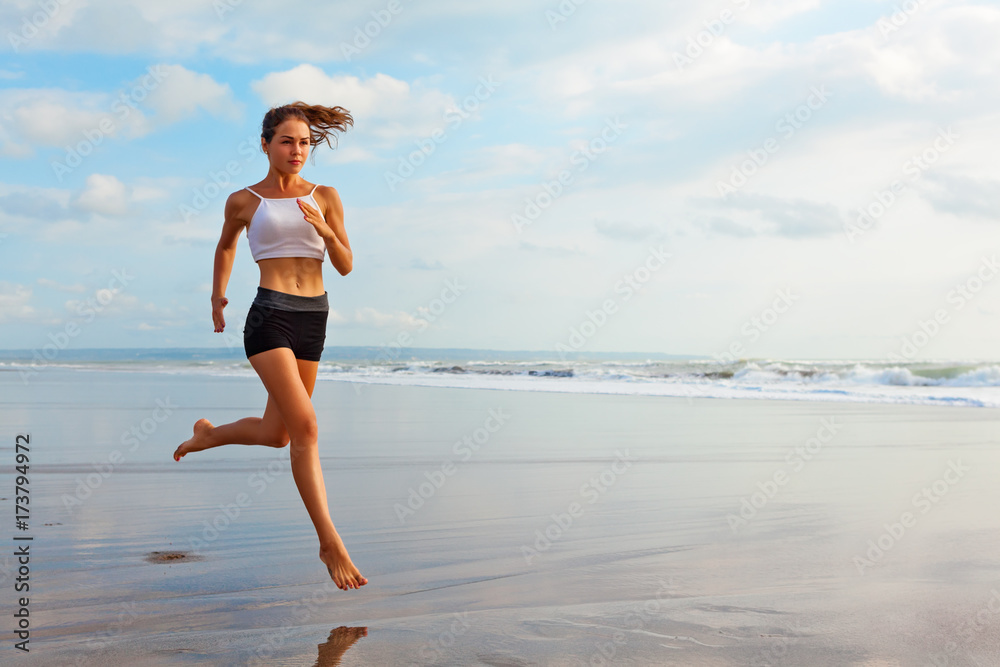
[
  {"x": 266, "y": 328},
  {"x": 268, "y": 430}
]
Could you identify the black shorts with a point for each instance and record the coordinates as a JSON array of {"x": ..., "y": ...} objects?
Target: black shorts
[{"x": 277, "y": 319}]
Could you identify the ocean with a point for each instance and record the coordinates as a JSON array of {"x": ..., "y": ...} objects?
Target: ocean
[
  {"x": 967, "y": 383},
  {"x": 583, "y": 511}
]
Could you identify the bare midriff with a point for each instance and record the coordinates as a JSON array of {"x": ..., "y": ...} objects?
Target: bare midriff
[{"x": 302, "y": 276}]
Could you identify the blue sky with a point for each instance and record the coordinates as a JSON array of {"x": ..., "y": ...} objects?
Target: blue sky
[{"x": 549, "y": 157}]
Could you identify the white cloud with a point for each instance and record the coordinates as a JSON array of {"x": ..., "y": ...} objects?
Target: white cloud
[
  {"x": 490, "y": 164},
  {"x": 248, "y": 31},
  {"x": 769, "y": 12},
  {"x": 106, "y": 301},
  {"x": 942, "y": 51},
  {"x": 383, "y": 107},
  {"x": 77, "y": 287},
  {"x": 506, "y": 159},
  {"x": 624, "y": 229},
  {"x": 181, "y": 92},
  {"x": 194, "y": 232},
  {"x": 902, "y": 70},
  {"x": 141, "y": 193},
  {"x": 104, "y": 194},
  {"x": 422, "y": 264},
  {"x": 33, "y": 117},
  {"x": 644, "y": 74},
  {"x": 35, "y": 26},
  {"x": 373, "y": 317},
  {"x": 15, "y": 302},
  {"x": 23, "y": 203},
  {"x": 36, "y": 117},
  {"x": 68, "y": 229},
  {"x": 349, "y": 154},
  {"x": 552, "y": 250},
  {"x": 119, "y": 27},
  {"x": 783, "y": 216}
]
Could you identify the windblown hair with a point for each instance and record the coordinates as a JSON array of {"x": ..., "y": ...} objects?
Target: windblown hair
[{"x": 322, "y": 121}]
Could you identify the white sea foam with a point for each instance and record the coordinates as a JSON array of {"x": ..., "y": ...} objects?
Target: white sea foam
[{"x": 937, "y": 382}]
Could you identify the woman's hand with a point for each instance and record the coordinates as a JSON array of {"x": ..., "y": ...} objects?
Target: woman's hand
[
  {"x": 330, "y": 228},
  {"x": 218, "y": 303},
  {"x": 315, "y": 218}
]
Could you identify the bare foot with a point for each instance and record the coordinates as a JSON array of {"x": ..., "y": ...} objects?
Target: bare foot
[
  {"x": 340, "y": 567},
  {"x": 198, "y": 441}
]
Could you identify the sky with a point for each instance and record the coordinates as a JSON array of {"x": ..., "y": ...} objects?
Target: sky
[{"x": 795, "y": 179}]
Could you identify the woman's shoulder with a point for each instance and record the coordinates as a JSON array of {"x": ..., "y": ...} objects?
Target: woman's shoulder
[
  {"x": 239, "y": 205},
  {"x": 326, "y": 192},
  {"x": 243, "y": 193}
]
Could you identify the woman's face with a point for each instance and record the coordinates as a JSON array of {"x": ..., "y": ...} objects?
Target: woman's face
[{"x": 289, "y": 146}]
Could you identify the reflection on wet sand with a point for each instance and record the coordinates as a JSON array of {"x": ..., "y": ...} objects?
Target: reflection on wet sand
[{"x": 337, "y": 643}]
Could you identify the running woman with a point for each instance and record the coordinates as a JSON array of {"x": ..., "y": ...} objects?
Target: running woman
[{"x": 291, "y": 225}]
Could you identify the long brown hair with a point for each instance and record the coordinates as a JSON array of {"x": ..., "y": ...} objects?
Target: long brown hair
[{"x": 322, "y": 121}]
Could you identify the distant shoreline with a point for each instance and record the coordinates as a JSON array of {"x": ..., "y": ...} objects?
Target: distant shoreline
[{"x": 945, "y": 383}]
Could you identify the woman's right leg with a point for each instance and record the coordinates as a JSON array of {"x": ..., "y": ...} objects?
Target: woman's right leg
[{"x": 285, "y": 378}]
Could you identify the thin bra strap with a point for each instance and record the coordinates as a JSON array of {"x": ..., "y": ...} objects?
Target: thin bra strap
[
  {"x": 253, "y": 192},
  {"x": 313, "y": 190}
]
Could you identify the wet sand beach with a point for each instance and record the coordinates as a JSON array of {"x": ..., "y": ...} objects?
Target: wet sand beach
[{"x": 503, "y": 528}]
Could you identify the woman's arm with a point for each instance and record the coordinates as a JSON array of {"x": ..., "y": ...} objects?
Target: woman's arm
[
  {"x": 331, "y": 228},
  {"x": 225, "y": 254}
]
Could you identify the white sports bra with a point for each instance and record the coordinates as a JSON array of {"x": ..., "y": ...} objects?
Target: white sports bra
[{"x": 279, "y": 229}]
